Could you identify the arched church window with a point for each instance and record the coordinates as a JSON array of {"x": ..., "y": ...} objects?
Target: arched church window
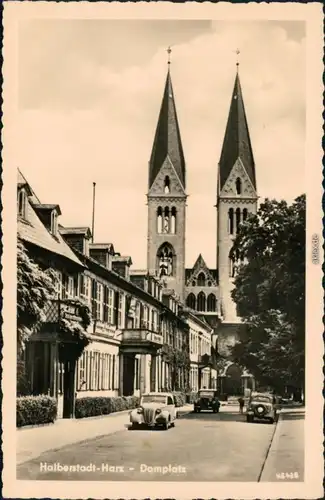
[
  {"x": 193, "y": 283},
  {"x": 245, "y": 213},
  {"x": 173, "y": 221},
  {"x": 191, "y": 301},
  {"x": 201, "y": 279},
  {"x": 211, "y": 303},
  {"x": 166, "y": 260},
  {"x": 238, "y": 185},
  {"x": 237, "y": 219},
  {"x": 231, "y": 221},
  {"x": 201, "y": 301},
  {"x": 166, "y": 221},
  {"x": 159, "y": 219},
  {"x": 167, "y": 185}
]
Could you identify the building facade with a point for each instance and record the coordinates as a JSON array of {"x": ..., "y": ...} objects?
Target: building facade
[{"x": 206, "y": 292}]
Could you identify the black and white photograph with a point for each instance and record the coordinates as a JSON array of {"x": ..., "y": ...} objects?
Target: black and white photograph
[{"x": 168, "y": 294}]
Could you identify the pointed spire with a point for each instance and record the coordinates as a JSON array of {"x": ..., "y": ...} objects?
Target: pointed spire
[
  {"x": 237, "y": 143},
  {"x": 167, "y": 140}
]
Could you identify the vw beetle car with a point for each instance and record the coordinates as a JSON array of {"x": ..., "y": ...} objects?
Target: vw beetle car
[
  {"x": 156, "y": 409},
  {"x": 261, "y": 406},
  {"x": 207, "y": 400}
]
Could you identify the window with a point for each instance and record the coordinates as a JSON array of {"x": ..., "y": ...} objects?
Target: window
[
  {"x": 237, "y": 219},
  {"x": 99, "y": 302},
  {"x": 167, "y": 185},
  {"x": 70, "y": 287},
  {"x": 201, "y": 302},
  {"x": 85, "y": 288},
  {"x": 145, "y": 317},
  {"x": 238, "y": 185},
  {"x": 245, "y": 213},
  {"x": 201, "y": 279},
  {"x": 159, "y": 219},
  {"x": 191, "y": 301},
  {"x": 165, "y": 257},
  {"x": 81, "y": 373},
  {"x": 231, "y": 267},
  {"x": 120, "y": 316},
  {"x": 154, "y": 321},
  {"x": 22, "y": 203},
  {"x": 211, "y": 303},
  {"x": 137, "y": 315},
  {"x": 231, "y": 221},
  {"x": 54, "y": 222},
  {"x": 193, "y": 283},
  {"x": 166, "y": 221},
  {"x": 173, "y": 221}
]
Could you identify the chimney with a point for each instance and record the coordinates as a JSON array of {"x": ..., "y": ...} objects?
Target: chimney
[{"x": 77, "y": 238}]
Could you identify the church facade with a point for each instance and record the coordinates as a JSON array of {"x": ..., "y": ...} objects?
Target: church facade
[{"x": 203, "y": 291}]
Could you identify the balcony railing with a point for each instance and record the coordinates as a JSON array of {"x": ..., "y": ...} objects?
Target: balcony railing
[
  {"x": 141, "y": 336},
  {"x": 57, "y": 309}
]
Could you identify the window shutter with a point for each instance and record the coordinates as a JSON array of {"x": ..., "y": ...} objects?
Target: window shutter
[
  {"x": 93, "y": 297},
  {"x": 105, "y": 305},
  {"x": 116, "y": 302}
]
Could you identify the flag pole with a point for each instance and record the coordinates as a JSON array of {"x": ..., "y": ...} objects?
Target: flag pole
[{"x": 93, "y": 217}]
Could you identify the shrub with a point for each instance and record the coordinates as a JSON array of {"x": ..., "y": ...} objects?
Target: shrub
[
  {"x": 34, "y": 410},
  {"x": 180, "y": 398},
  {"x": 95, "y": 406}
]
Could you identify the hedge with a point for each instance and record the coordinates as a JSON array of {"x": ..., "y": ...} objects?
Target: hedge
[
  {"x": 95, "y": 406},
  {"x": 35, "y": 410}
]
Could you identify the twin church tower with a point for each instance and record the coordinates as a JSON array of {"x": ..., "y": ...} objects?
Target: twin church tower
[{"x": 207, "y": 291}]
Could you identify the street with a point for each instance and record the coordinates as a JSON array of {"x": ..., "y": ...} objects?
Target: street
[{"x": 201, "y": 447}]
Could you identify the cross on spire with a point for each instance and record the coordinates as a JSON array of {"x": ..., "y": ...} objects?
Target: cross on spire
[
  {"x": 237, "y": 51},
  {"x": 169, "y": 52}
]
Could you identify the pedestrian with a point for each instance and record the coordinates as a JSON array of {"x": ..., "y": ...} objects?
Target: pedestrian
[{"x": 241, "y": 402}]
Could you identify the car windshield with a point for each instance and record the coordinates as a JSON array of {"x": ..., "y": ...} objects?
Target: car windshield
[
  {"x": 264, "y": 399},
  {"x": 206, "y": 394},
  {"x": 152, "y": 398}
]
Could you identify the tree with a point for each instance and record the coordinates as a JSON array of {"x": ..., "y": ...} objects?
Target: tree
[
  {"x": 270, "y": 292},
  {"x": 35, "y": 287}
]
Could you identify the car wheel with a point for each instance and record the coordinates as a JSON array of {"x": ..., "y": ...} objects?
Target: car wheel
[
  {"x": 214, "y": 410},
  {"x": 165, "y": 425},
  {"x": 133, "y": 427},
  {"x": 249, "y": 418},
  {"x": 271, "y": 420}
]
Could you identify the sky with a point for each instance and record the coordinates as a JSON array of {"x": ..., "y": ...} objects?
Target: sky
[{"x": 89, "y": 94}]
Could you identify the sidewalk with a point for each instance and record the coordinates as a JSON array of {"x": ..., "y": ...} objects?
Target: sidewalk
[
  {"x": 33, "y": 441},
  {"x": 285, "y": 460}
]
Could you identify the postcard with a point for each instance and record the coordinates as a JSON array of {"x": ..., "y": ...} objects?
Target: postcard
[{"x": 162, "y": 250}]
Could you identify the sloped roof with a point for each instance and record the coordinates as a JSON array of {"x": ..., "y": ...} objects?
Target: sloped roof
[
  {"x": 33, "y": 231},
  {"x": 237, "y": 143},
  {"x": 167, "y": 140}
]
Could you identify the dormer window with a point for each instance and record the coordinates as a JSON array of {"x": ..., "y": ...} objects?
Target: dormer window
[
  {"x": 22, "y": 199},
  {"x": 54, "y": 222}
]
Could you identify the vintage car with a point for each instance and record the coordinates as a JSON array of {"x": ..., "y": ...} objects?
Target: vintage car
[
  {"x": 207, "y": 401},
  {"x": 261, "y": 406},
  {"x": 156, "y": 409}
]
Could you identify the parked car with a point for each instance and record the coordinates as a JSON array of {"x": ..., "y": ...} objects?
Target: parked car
[
  {"x": 261, "y": 406},
  {"x": 156, "y": 409},
  {"x": 207, "y": 400}
]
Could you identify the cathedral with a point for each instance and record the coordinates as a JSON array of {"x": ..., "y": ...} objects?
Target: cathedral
[{"x": 207, "y": 292}]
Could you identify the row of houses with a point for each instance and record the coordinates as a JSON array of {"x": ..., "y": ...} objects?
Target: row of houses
[{"x": 142, "y": 337}]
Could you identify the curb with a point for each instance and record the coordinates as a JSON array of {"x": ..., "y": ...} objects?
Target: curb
[{"x": 274, "y": 437}]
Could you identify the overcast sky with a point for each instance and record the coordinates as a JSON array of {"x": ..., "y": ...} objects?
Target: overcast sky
[{"x": 89, "y": 98}]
